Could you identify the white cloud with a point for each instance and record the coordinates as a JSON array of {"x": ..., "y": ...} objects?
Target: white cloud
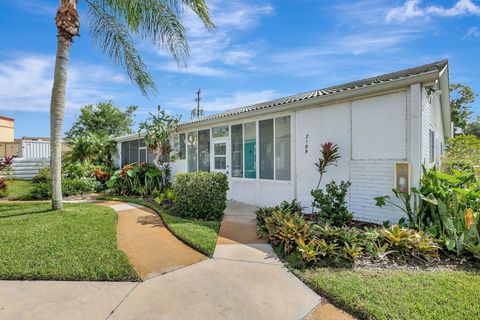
[
  {"x": 473, "y": 32},
  {"x": 211, "y": 53},
  {"x": 26, "y": 83},
  {"x": 412, "y": 9},
  {"x": 236, "y": 100}
]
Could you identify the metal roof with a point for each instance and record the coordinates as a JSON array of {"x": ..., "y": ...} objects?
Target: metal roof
[{"x": 368, "y": 82}]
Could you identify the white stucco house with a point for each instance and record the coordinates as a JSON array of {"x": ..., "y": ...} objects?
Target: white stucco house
[{"x": 386, "y": 127}]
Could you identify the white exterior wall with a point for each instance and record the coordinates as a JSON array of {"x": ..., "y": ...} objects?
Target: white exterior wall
[{"x": 431, "y": 120}]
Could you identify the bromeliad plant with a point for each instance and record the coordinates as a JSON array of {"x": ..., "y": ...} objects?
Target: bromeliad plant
[{"x": 136, "y": 179}]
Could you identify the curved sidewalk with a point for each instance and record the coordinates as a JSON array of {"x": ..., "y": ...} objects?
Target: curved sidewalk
[{"x": 151, "y": 248}]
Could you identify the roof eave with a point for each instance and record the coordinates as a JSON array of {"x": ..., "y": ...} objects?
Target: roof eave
[{"x": 445, "y": 102}]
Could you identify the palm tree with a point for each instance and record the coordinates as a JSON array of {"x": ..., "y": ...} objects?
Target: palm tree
[{"x": 113, "y": 24}]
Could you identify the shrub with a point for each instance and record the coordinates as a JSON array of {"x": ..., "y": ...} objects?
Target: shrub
[
  {"x": 461, "y": 152},
  {"x": 136, "y": 179},
  {"x": 165, "y": 198},
  {"x": 70, "y": 187},
  {"x": 3, "y": 188},
  {"x": 332, "y": 204},
  {"x": 43, "y": 175},
  {"x": 201, "y": 195}
]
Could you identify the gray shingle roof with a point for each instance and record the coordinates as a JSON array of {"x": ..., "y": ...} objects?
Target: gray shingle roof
[{"x": 398, "y": 75}]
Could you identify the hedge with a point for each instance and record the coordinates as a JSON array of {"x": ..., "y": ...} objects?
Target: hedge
[{"x": 201, "y": 195}]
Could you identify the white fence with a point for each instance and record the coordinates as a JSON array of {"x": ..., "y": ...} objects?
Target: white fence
[
  {"x": 35, "y": 149},
  {"x": 26, "y": 169}
]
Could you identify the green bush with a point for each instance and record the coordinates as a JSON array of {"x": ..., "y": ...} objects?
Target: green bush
[
  {"x": 331, "y": 204},
  {"x": 201, "y": 195},
  {"x": 70, "y": 187},
  {"x": 461, "y": 152},
  {"x": 43, "y": 175}
]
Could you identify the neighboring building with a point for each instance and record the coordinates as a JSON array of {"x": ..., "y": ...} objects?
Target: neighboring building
[
  {"x": 29, "y": 147},
  {"x": 386, "y": 127},
  {"x": 7, "y": 126}
]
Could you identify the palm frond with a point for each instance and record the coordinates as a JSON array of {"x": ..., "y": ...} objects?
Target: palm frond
[
  {"x": 114, "y": 39},
  {"x": 158, "y": 21}
]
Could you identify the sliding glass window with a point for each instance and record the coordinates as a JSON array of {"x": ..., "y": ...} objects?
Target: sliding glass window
[
  {"x": 181, "y": 151},
  {"x": 192, "y": 146},
  {"x": 266, "y": 148},
  {"x": 237, "y": 151},
  {"x": 250, "y": 146},
  {"x": 204, "y": 150},
  {"x": 282, "y": 148}
]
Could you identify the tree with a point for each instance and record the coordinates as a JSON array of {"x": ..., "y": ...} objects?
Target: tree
[
  {"x": 158, "y": 136},
  {"x": 92, "y": 147},
  {"x": 105, "y": 119},
  {"x": 462, "y": 97},
  {"x": 473, "y": 128},
  {"x": 461, "y": 152},
  {"x": 113, "y": 26}
]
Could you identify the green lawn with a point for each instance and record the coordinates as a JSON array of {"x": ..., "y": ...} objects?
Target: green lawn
[
  {"x": 201, "y": 235},
  {"x": 19, "y": 189},
  {"x": 77, "y": 243},
  {"x": 394, "y": 294}
]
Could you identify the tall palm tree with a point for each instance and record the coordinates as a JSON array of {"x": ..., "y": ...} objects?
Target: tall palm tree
[{"x": 113, "y": 26}]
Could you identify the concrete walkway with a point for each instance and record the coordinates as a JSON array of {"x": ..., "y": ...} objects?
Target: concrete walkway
[{"x": 244, "y": 280}]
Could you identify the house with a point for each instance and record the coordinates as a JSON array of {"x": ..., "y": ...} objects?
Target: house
[
  {"x": 7, "y": 126},
  {"x": 386, "y": 127}
]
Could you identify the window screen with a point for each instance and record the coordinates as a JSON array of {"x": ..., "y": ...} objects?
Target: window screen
[
  {"x": 219, "y": 132},
  {"x": 204, "y": 150},
  {"x": 182, "y": 153},
  {"x": 142, "y": 154},
  {"x": 266, "y": 149},
  {"x": 133, "y": 151},
  {"x": 282, "y": 148},
  {"x": 250, "y": 145},
  {"x": 237, "y": 151},
  {"x": 192, "y": 142},
  {"x": 125, "y": 156}
]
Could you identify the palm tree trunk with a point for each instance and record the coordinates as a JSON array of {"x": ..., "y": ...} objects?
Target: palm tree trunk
[
  {"x": 68, "y": 26},
  {"x": 57, "y": 108}
]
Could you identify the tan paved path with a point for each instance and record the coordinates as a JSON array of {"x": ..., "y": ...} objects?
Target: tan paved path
[{"x": 151, "y": 248}]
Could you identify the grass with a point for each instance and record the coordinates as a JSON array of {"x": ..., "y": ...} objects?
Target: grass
[
  {"x": 76, "y": 243},
  {"x": 200, "y": 235},
  {"x": 19, "y": 189},
  {"x": 399, "y": 294}
]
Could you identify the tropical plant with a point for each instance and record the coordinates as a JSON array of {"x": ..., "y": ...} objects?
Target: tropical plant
[
  {"x": 165, "y": 197},
  {"x": 330, "y": 155},
  {"x": 6, "y": 169},
  {"x": 332, "y": 204},
  {"x": 158, "y": 129},
  {"x": 104, "y": 119},
  {"x": 3, "y": 188},
  {"x": 285, "y": 229},
  {"x": 136, "y": 179},
  {"x": 446, "y": 206},
  {"x": 93, "y": 148},
  {"x": 292, "y": 207},
  {"x": 113, "y": 26}
]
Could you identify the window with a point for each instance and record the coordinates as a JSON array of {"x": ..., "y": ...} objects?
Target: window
[
  {"x": 266, "y": 149},
  {"x": 282, "y": 148},
  {"x": 142, "y": 154},
  {"x": 220, "y": 155},
  {"x": 204, "y": 150},
  {"x": 125, "y": 157},
  {"x": 432, "y": 146},
  {"x": 250, "y": 145},
  {"x": 133, "y": 151},
  {"x": 192, "y": 142},
  {"x": 181, "y": 152},
  {"x": 237, "y": 151},
  {"x": 219, "y": 132}
]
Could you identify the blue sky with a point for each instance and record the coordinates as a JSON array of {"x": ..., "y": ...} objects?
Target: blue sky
[{"x": 261, "y": 50}]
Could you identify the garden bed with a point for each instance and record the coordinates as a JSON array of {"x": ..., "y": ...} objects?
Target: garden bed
[
  {"x": 76, "y": 243},
  {"x": 199, "y": 234}
]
